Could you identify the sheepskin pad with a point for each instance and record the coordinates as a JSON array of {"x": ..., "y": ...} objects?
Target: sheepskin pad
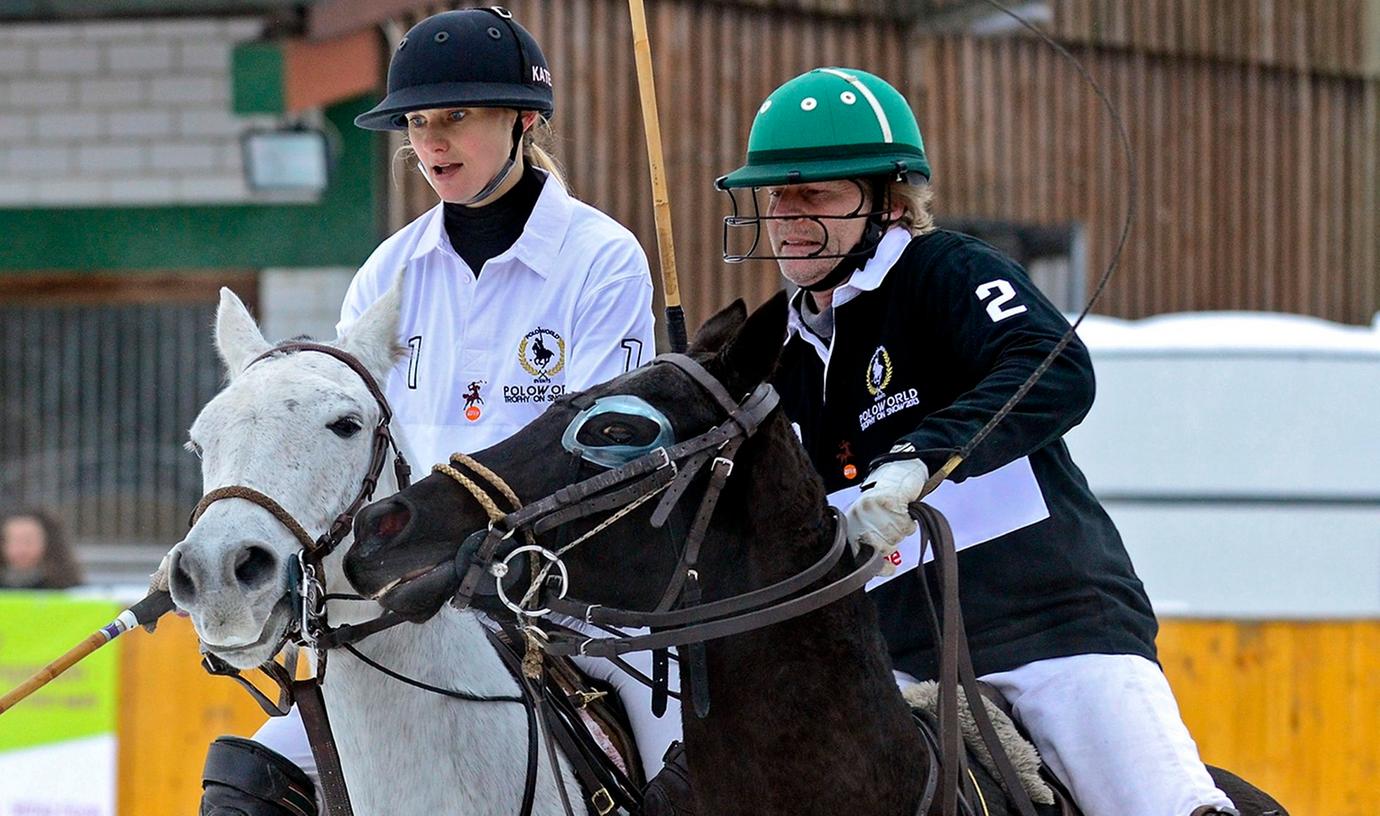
[{"x": 1024, "y": 757}]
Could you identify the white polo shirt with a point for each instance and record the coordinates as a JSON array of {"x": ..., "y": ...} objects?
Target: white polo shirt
[{"x": 569, "y": 305}]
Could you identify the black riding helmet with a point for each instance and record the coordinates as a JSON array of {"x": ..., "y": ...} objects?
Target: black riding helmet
[{"x": 474, "y": 58}]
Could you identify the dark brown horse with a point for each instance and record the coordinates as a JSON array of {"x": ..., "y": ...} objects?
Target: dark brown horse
[{"x": 806, "y": 717}]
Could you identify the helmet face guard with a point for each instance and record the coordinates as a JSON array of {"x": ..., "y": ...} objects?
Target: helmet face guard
[{"x": 880, "y": 214}]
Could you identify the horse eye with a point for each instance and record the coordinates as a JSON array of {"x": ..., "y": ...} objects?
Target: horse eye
[
  {"x": 617, "y": 433},
  {"x": 345, "y": 427},
  {"x": 194, "y": 448}
]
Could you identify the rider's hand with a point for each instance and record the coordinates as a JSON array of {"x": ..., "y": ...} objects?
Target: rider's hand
[{"x": 879, "y": 518}]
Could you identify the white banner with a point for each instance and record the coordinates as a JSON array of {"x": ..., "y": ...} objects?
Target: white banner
[{"x": 978, "y": 509}]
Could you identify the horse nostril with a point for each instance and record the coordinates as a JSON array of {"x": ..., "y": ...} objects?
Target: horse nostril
[
  {"x": 380, "y": 523},
  {"x": 179, "y": 580},
  {"x": 253, "y": 566},
  {"x": 393, "y": 522}
]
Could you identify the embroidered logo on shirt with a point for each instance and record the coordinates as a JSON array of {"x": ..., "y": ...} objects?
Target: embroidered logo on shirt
[
  {"x": 879, "y": 372},
  {"x": 473, "y": 400},
  {"x": 542, "y": 354},
  {"x": 537, "y": 355}
]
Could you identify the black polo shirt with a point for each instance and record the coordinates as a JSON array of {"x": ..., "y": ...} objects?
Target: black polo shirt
[{"x": 926, "y": 347}]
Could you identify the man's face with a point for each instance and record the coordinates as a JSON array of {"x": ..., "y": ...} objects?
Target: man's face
[{"x": 794, "y": 236}]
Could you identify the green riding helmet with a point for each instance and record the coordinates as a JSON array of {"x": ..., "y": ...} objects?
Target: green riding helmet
[{"x": 827, "y": 124}]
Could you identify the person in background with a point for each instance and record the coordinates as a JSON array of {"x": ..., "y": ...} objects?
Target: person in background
[{"x": 34, "y": 553}]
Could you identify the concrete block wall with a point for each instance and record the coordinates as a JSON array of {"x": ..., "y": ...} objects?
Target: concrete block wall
[
  {"x": 116, "y": 113},
  {"x": 300, "y": 301}
]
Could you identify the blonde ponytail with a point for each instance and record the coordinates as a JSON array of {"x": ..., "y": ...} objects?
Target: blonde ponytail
[{"x": 538, "y": 148}]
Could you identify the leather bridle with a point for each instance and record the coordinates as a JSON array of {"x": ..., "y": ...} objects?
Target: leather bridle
[
  {"x": 310, "y": 628},
  {"x": 680, "y": 618},
  {"x": 307, "y": 588},
  {"x": 310, "y": 625}
]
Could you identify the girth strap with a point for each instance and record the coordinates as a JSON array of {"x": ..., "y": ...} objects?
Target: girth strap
[{"x": 312, "y": 707}]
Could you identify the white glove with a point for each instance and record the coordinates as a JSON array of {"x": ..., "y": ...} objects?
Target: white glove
[{"x": 879, "y": 518}]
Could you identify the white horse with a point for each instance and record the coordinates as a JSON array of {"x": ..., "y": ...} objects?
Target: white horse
[{"x": 297, "y": 427}]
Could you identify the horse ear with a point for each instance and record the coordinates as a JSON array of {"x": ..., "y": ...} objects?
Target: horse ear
[
  {"x": 238, "y": 339},
  {"x": 717, "y": 330},
  {"x": 374, "y": 336},
  {"x": 751, "y": 355}
]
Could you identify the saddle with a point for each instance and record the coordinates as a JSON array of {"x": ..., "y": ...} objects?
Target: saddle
[
  {"x": 982, "y": 792},
  {"x": 587, "y": 720}
]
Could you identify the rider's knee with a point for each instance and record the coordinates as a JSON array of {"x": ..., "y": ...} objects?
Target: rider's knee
[
  {"x": 669, "y": 793},
  {"x": 244, "y": 778}
]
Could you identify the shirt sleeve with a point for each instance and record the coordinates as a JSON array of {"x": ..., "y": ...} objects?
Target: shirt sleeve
[
  {"x": 614, "y": 330},
  {"x": 980, "y": 309}
]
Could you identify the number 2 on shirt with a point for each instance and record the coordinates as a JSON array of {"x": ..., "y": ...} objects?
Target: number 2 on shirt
[{"x": 997, "y": 309}]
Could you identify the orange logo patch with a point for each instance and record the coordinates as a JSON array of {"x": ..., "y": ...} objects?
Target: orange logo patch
[
  {"x": 850, "y": 472},
  {"x": 472, "y": 413}
]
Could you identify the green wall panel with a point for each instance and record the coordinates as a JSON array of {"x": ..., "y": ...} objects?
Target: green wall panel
[
  {"x": 257, "y": 72},
  {"x": 340, "y": 230}
]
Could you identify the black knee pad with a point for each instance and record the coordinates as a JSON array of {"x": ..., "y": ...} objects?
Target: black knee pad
[{"x": 244, "y": 778}]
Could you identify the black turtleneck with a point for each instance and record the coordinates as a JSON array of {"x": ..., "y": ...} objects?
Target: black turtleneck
[{"x": 481, "y": 233}]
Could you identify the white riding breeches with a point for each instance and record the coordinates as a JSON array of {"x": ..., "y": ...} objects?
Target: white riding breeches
[{"x": 1110, "y": 730}]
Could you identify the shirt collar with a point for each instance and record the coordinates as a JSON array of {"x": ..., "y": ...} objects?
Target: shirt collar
[
  {"x": 889, "y": 249},
  {"x": 539, "y": 243}
]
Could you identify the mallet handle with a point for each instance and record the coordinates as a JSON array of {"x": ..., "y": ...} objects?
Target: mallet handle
[
  {"x": 651, "y": 123},
  {"x": 52, "y": 670},
  {"x": 154, "y": 606}
]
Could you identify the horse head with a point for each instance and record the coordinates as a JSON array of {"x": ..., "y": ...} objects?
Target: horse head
[
  {"x": 413, "y": 550},
  {"x": 298, "y": 428}
]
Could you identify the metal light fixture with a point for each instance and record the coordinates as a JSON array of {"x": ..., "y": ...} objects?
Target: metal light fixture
[{"x": 287, "y": 161}]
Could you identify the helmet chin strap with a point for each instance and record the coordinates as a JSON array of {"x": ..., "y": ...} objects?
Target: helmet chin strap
[
  {"x": 504, "y": 171},
  {"x": 861, "y": 252}
]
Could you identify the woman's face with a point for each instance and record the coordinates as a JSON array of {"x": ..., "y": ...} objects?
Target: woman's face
[
  {"x": 461, "y": 149},
  {"x": 23, "y": 541}
]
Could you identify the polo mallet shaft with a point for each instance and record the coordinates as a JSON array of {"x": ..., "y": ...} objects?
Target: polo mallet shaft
[
  {"x": 651, "y": 123},
  {"x": 150, "y": 609},
  {"x": 937, "y": 478}
]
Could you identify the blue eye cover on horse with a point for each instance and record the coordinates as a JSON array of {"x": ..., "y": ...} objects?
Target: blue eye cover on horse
[{"x": 616, "y": 430}]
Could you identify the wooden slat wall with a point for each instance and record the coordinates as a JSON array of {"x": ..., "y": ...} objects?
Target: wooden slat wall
[
  {"x": 1257, "y": 182},
  {"x": 1257, "y": 187},
  {"x": 170, "y": 710},
  {"x": 1290, "y": 706},
  {"x": 1337, "y": 36}
]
